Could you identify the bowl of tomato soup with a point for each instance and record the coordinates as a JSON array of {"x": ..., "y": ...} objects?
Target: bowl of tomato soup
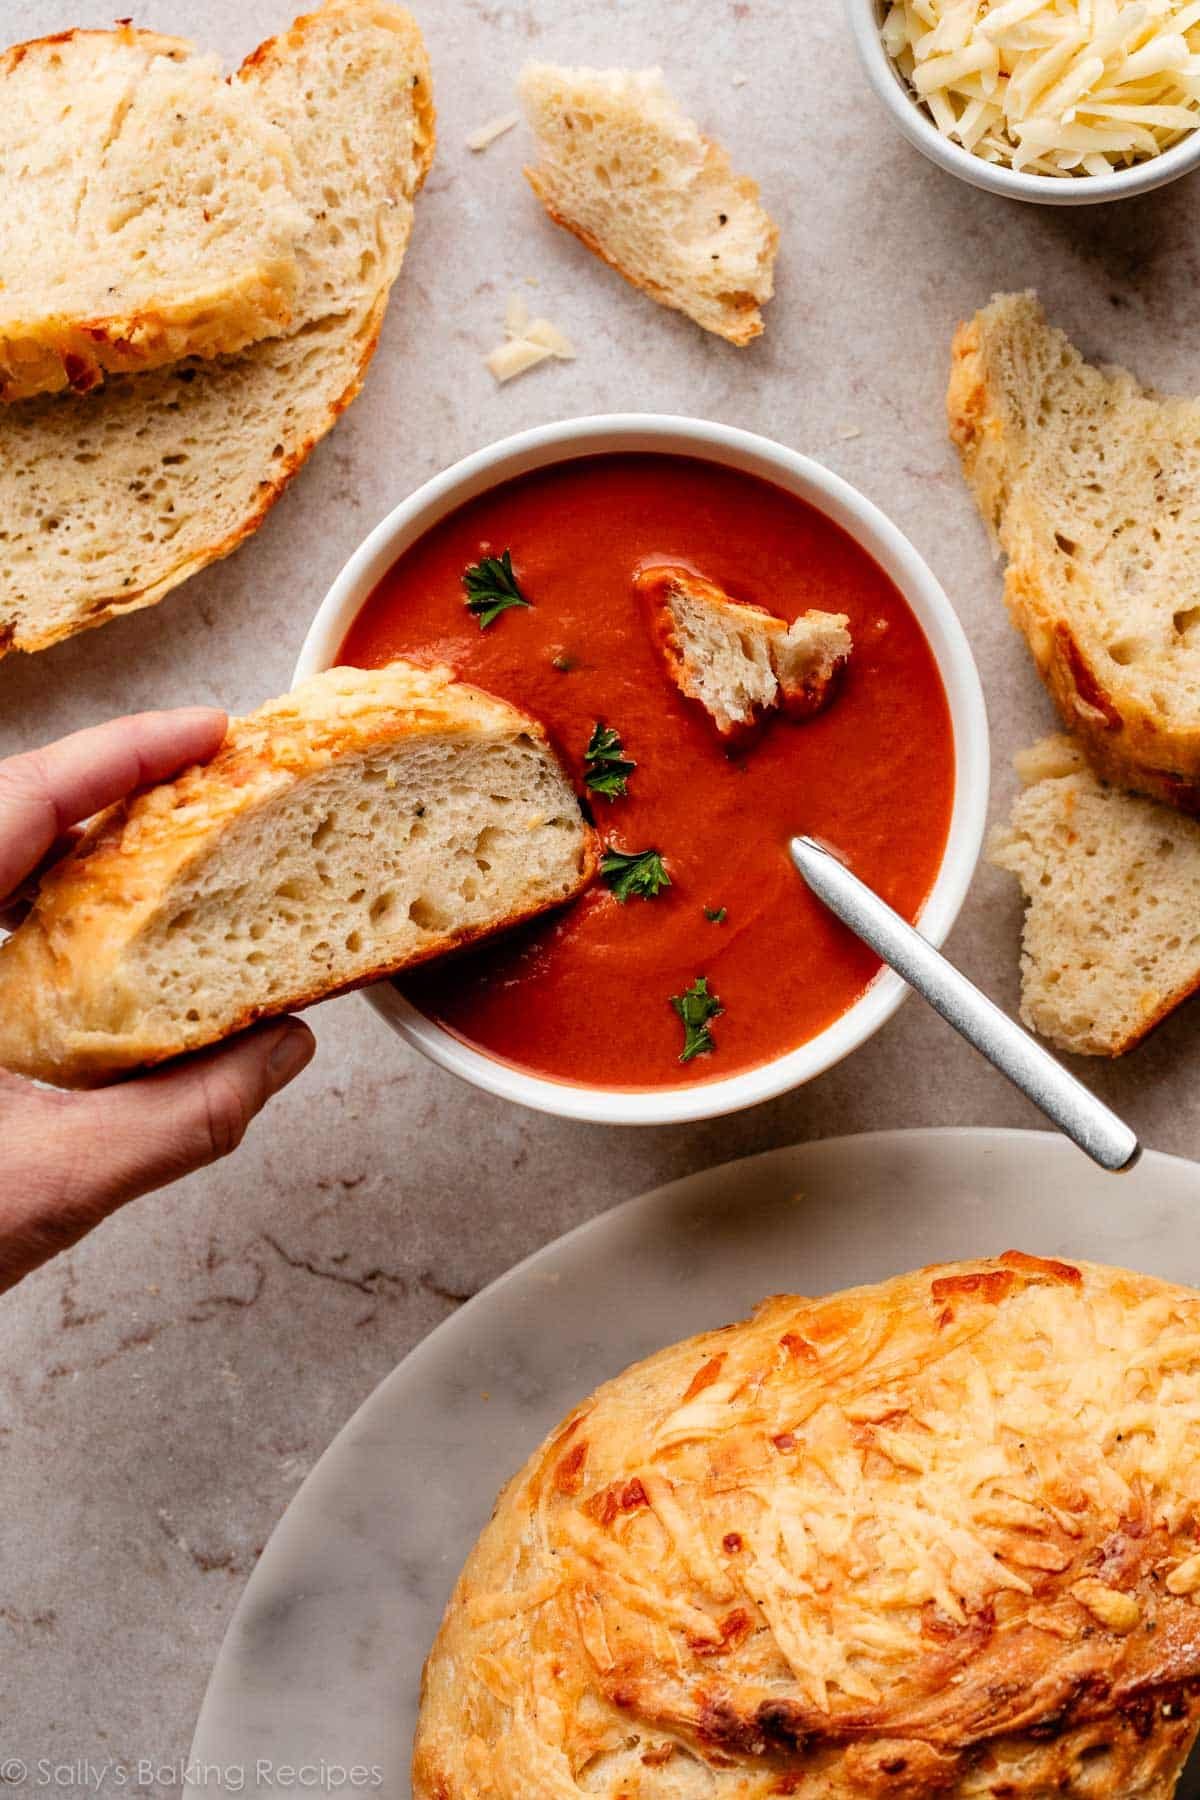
[{"x": 698, "y": 975}]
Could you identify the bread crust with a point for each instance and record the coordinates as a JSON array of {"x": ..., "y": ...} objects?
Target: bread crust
[
  {"x": 58, "y": 971},
  {"x": 799, "y": 693},
  {"x": 744, "y": 322},
  {"x": 669, "y": 256},
  {"x": 903, "y": 1541},
  {"x": 1109, "y": 880},
  {"x": 1127, "y": 742},
  {"x": 29, "y": 633},
  {"x": 53, "y": 352}
]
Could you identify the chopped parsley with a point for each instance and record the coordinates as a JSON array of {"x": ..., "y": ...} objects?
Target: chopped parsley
[
  {"x": 695, "y": 1008},
  {"x": 606, "y": 767},
  {"x": 629, "y": 872},
  {"x": 491, "y": 588},
  {"x": 716, "y": 915}
]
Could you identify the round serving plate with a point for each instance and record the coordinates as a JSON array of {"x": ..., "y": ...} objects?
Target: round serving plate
[{"x": 321, "y": 1664}]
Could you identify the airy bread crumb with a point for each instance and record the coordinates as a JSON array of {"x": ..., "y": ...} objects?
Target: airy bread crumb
[
  {"x": 625, "y": 170},
  {"x": 110, "y": 504},
  {"x": 1090, "y": 484},
  {"x": 150, "y": 210},
  {"x": 1111, "y": 941},
  {"x": 740, "y": 661}
]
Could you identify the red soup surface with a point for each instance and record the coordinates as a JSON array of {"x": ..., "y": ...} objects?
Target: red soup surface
[{"x": 583, "y": 995}]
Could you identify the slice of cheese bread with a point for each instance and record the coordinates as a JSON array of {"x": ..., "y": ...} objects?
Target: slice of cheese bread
[
  {"x": 149, "y": 207},
  {"x": 622, "y": 167},
  {"x": 739, "y": 662},
  {"x": 1091, "y": 485},
  {"x": 110, "y": 502},
  {"x": 364, "y": 823},
  {"x": 1112, "y": 884}
]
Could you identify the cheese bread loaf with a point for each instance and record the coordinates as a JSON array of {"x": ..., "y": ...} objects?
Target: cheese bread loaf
[
  {"x": 366, "y": 822},
  {"x": 625, "y": 170},
  {"x": 110, "y": 502},
  {"x": 937, "y": 1537},
  {"x": 149, "y": 210},
  {"x": 1091, "y": 485}
]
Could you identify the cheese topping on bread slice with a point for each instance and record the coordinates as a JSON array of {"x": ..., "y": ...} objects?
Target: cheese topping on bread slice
[
  {"x": 935, "y": 1537},
  {"x": 1112, "y": 883},
  {"x": 1091, "y": 485},
  {"x": 741, "y": 661},
  {"x": 108, "y": 504},
  {"x": 149, "y": 210},
  {"x": 622, "y": 167},
  {"x": 366, "y": 822}
]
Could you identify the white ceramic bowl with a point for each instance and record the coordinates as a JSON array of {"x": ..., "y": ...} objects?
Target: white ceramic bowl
[
  {"x": 911, "y": 118},
  {"x": 867, "y": 526}
]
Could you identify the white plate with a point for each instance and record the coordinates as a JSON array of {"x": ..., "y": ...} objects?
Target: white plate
[{"x": 321, "y": 1665}]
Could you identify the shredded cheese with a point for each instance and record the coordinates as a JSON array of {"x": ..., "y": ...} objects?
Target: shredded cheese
[
  {"x": 1053, "y": 87},
  {"x": 527, "y": 342},
  {"x": 494, "y": 128}
]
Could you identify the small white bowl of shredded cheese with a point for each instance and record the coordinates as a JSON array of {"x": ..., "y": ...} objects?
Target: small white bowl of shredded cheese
[{"x": 1064, "y": 102}]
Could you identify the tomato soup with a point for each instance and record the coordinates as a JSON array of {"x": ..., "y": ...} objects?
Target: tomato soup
[{"x": 584, "y": 995}]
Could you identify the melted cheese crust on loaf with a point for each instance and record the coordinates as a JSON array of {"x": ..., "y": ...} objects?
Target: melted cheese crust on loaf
[{"x": 938, "y": 1536}]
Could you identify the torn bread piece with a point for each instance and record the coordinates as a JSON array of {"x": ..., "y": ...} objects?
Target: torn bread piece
[
  {"x": 740, "y": 661},
  {"x": 1090, "y": 484},
  {"x": 1111, "y": 942},
  {"x": 366, "y": 822},
  {"x": 622, "y": 168},
  {"x": 150, "y": 210}
]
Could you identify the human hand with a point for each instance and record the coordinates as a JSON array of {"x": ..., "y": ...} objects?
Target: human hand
[{"x": 68, "y": 1160}]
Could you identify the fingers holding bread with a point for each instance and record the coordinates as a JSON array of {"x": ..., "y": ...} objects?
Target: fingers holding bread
[{"x": 366, "y": 822}]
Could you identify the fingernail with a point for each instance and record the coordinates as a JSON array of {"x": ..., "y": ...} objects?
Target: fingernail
[{"x": 290, "y": 1053}]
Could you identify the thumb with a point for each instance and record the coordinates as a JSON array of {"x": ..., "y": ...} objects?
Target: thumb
[{"x": 83, "y": 1155}]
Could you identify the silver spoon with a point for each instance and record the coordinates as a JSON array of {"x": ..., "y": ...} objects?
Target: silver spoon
[{"x": 1076, "y": 1112}]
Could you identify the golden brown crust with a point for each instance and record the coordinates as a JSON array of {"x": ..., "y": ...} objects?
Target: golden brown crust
[
  {"x": 57, "y": 970},
  {"x": 278, "y": 474},
  {"x": 939, "y": 1536},
  {"x": 49, "y": 354},
  {"x": 744, "y": 322},
  {"x": 1123, "y": 738}
]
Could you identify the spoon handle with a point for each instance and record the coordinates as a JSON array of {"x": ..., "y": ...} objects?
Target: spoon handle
[{"x": 1076, "y": 1112}]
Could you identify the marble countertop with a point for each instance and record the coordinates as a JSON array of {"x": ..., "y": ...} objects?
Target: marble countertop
[{"x": 168, "y": 1385}]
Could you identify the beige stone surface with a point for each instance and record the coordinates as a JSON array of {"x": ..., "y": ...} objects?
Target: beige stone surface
[{"x": 166, "y": 1387}]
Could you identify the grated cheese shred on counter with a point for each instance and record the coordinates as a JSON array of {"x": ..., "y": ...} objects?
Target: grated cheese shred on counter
[{"x": 1053, "y": 87}]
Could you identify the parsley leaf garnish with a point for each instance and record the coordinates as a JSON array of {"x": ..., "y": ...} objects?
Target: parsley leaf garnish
[
  {"x": 492, "y": 588},
  {"x": 629, "y": 872},
  {"x": 606, "y": 767},
  {"x": 715, "y": 915},
  {"x": 695, "y": 1008}
]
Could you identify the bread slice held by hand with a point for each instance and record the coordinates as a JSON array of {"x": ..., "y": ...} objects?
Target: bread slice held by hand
[
  {"x": 111, "y": 501},
  {"x": 1111, "y": 942},
  {"x": 149, "y": 209},
  {"x": 1091, "y": 486},
  {"x": 741, "y": 662},
  {"x": 366, "y": 822},
  {"x": 621, "y": 167}
]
